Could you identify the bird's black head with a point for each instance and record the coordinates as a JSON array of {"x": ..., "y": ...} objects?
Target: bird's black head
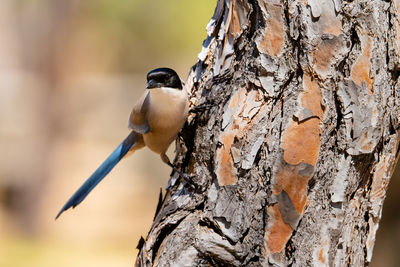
[{"x": 163, "y": 77}]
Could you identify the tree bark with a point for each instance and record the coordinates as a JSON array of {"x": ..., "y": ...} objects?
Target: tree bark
[{"x": 292, "y": 158}]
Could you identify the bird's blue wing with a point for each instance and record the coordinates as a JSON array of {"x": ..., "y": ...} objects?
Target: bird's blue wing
[{"x": 100, "y": 173}]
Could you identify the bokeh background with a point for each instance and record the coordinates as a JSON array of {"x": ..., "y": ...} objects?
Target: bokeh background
[{"x": 69, "y": 73}]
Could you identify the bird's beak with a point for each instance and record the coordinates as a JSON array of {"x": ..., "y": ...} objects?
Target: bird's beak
[{"x": 151, "y": 84}]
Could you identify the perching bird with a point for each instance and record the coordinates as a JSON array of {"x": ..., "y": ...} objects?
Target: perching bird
[{"x": 155, "y": 121}]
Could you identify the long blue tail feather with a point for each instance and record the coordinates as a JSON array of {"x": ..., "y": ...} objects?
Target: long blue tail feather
[{"x": 100, "y": 173}]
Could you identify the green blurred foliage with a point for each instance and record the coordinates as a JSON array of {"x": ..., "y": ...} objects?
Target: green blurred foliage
[{"x": 144, "y": 31}]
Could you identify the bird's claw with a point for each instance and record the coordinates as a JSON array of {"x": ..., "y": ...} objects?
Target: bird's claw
[{"x": 187, "y": 178}]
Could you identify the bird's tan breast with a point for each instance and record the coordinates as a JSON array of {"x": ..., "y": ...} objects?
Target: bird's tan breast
[{"x": 167, "y": 114}]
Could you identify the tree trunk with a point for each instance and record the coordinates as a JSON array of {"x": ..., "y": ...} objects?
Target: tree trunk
[{"x": 292, "y": 160}]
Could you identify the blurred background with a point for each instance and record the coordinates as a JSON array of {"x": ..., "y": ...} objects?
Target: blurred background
[{"x": 69, "y": 74}]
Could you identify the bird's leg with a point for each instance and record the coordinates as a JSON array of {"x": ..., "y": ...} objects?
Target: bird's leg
[{"x": 185, "y": 176}]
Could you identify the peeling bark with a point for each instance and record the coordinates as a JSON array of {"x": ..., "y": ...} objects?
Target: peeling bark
[{"x": 291, "y": 162}]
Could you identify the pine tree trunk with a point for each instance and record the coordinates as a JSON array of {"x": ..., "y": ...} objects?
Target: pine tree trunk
[{"x": 292, "y": 159}]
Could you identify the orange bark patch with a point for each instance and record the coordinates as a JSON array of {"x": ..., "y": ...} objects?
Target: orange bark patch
[
  {"x": 278, "y": 233},
  {"x": 301, "y": 143},
  {"x": 332, "y": 43},
  {"x": 226, "y": 170},
  {"x": 274, "y": 37},
  {"x": 333, "y": 26},
  {"x": 238, "y": 105},
  {"x": 311, "y": 97},
  {"x": 325, "y": 52},
  {"x": 321, "y": 257},
  {"x": 361, "y": 68},
  {"x": 295, "y": 185}
]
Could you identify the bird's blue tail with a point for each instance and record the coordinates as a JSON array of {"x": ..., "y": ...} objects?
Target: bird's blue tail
[{"x": 100, "y": 173}]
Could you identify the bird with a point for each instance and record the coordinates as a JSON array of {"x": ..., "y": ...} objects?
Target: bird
[{"x": 155, "y": 121}]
